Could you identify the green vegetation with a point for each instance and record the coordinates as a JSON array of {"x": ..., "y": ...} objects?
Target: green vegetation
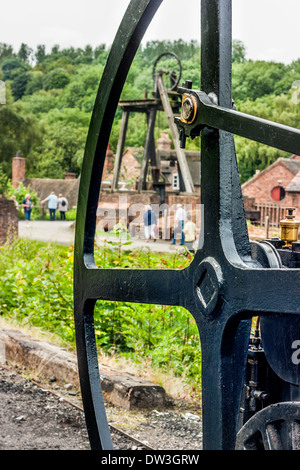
[
  {"x": 49, "y": 101},
  {"x": 50, "y": 97},
  {"x": 36, "y": 289}
]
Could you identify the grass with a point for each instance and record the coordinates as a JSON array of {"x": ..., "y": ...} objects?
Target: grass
[{"x": 158, "y": 342}]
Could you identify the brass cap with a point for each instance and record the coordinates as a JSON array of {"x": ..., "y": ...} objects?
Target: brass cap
[{"x": 289, "y": 227}]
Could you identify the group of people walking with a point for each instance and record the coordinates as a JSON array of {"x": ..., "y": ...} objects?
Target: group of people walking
[
  {"x": 184, "y": 227},
  {"x": 55, "y": 203}
]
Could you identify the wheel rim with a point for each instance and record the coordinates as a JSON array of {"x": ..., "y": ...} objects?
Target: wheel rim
[
  {"x": 276, "y": 427},
  {"x": 132, "y": 28},
  {"x": 171, "y": 73}
]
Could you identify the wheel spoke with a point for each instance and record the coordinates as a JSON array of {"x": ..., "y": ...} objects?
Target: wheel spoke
[
  {"x": 272, "y": 438},
  {"x": 266, "y": 290},
  {"x": 275, "y": 427},
  {"x": 295, "y": 435},
  {"x": 134, "y": 285}
]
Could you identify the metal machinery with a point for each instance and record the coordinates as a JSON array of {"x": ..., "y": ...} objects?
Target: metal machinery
[
  {"x": 250, "y": 379},
  {"x": 166, "y": 76}
]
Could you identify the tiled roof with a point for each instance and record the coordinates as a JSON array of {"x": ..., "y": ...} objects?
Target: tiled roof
[
  {"x": 293, "y": 165},
  {"x": 294, "y": 185},
  {"x": 44, "y": 186}
]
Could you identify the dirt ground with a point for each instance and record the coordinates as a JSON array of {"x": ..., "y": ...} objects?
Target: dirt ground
[{"x": 32, "y": 418}]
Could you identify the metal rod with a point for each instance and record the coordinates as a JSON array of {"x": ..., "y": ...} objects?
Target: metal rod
[{"x": 251, "y": 127}]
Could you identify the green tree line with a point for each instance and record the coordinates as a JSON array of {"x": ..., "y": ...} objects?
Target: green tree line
[{"x": 50, "y": 98}]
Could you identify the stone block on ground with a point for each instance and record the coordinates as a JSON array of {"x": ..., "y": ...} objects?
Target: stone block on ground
[{"x": 119, "y": 388}]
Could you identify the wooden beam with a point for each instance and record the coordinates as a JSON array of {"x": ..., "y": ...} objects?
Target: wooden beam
[
  {"x": 120, "y": 148},
  {"x": 184, "y": 168},
  {"x": 149, "y": 150}
]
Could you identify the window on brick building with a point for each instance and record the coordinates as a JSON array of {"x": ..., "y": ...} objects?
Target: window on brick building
[
  {"x": 278, "y": 193},
  {"x": 175, "y": 184}
]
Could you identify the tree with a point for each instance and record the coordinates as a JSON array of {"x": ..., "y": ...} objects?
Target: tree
[
  {"x": 18, "y": 132},
  {"x": 24, "y": 52},
  {"x": 3, "y": 181},
  {"x": 55, "y": 49},
  {"x": 40, "y": 102},
  {"x": 34, "y": 83},
  {"x": 238, "y": 51},
  {"x": 63, "y": 144},
  {"x": 6, "y": 50},
  {"x": 81, "y": 91},
  {"x": 10, "y": 66},
  {"x": 57, "y": 78},
  {"x": 40, "y": 53},
  {"x": 254, "y": 79},
  {"x": 19, "y": 84},
  {"x": 100, "y": 51},
  {"x": 252, "y": 155}
]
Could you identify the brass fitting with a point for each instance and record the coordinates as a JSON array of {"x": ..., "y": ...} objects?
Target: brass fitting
[
  {"x": 289, "y": 228},
  {"x": 189, "y": 109}
]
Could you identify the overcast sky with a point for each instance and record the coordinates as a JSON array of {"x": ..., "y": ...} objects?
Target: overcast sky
[{"x": 268, "y": 28}]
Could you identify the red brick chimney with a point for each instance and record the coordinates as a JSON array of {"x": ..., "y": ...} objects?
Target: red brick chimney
[
  {"x": 109, "y": 161},
  {"x": 70, "y": 175},
  {"x": 18, "y": 170},
  {"x": 164, "y": 142}
]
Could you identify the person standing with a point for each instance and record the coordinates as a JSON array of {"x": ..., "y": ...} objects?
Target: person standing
[
  {"x": 190, "y": 233},
  {"x": 62, "y": 206},
  {"x": 13, "y": 198},
  {"x": 52, "y": 204},
  {"x": 179, "y": 218},
  {"x": 27, "y": 208},
  {"x": 149, "y": 223}
]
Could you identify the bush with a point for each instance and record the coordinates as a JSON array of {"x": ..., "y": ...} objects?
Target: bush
[
  {"x": 57, "y": 79},
  {"x": 36, "y": 288},
  {"x": 20, "y": 193}
]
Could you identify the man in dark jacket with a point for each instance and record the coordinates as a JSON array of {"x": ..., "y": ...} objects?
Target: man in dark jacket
[{"x": 149, "y": 223}]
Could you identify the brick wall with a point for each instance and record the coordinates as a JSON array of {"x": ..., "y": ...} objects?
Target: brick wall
[
  {"x": 113, "y": 206},
  {"x": 8, "y": 220},
  {"x": 129, "y": 171},
  {"x": 260, "y": 187}
]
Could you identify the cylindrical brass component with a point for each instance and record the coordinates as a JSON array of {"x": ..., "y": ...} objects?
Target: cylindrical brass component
[
  {"x": 289, "y": 228},
  {"x": 189, "y": 109}
]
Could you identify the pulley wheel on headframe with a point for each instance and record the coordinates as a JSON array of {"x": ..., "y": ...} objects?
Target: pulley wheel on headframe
[{"x": 168, "y": 66}]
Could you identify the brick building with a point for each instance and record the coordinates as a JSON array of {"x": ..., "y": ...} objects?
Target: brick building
[
  {"x": 130, "y": 169},
  {"x": 112, "y": 204},
  {"x": 128, "y": 202},
  {"x": 274, "y": 189}
]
